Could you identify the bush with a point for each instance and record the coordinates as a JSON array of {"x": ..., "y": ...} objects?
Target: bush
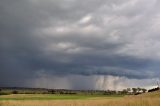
[
  {"x": 4, "y": 93},
  {"x": 154, "y": 89},
  {"x": 15, "y": 92}
]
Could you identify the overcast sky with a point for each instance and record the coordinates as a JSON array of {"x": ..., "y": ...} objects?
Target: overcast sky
[{"x": 79, "y": 44}]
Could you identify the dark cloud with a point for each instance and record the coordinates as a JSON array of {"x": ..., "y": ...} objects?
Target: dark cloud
[{"x": 71, "y": 37}]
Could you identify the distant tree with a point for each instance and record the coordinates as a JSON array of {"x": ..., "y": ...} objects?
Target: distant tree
[
  {"x": 144, "y": 90},
  {"x": 154, "y": 89},
  {"x": 53, "y": 91},
  {"x": 0, "y": 90},
  {"x": 134, "y": 90},
  {"x": 138, "y": 90},
  {"x": 124, "y": 91},
  {"x": 128, "y": 90},
  {"x": 61, "y": 92},
  {"x": 15, "y": 92}
]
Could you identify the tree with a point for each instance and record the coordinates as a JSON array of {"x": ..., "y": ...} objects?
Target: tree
[
  {"x": 128, "y": 90},
  {"x": 138, "y": 90},
  {"x": 144, "y": 90},
  {"x": 15, "y": 92},
  {"x": 61, "y": 92},
  {"x": 124, "y": 91},
  {"x": 134, "y": 90},
  {"x": 52, "y": 91}
]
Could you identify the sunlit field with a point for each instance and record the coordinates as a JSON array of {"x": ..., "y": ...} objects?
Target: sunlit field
[
  {"x": 147, "y": 99},
  {"x": 54, "y": 97}
]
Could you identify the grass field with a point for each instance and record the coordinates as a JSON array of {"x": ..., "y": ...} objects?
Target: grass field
[
  {"x": 148, "y": 99},
  {"x": 53, "y": 97}
]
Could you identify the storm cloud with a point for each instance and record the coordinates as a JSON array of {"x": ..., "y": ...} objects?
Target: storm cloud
[{"x": 65, "y": 42}]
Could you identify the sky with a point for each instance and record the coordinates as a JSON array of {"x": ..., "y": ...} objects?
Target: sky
[{"x": 79, "y": 44}]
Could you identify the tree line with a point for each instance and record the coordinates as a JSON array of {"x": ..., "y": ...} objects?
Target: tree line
[{"x": 129, "y": 91}]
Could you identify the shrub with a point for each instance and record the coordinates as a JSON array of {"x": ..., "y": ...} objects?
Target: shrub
[
  {"x": 154, "y": 89},
  {"x": 15, "y": 92},
  {"x": 4, "y": 93}
]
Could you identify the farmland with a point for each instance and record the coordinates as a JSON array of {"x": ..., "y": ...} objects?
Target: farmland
[
  {"x": 53, "y": 97},
  {"x": 146, "y": 99}
]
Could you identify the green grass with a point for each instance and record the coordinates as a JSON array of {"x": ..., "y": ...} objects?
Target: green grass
[{"x": 52, "y": 97}]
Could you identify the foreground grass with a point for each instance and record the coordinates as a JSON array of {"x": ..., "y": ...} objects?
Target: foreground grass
[
  {"x": 148, "y": 99},
  {"x": 97, "y": 102}
]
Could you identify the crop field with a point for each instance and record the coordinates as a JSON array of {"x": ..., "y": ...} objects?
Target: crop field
[
  {"x": 53, "y": 97},
  {"x": 148, "y": 99}
]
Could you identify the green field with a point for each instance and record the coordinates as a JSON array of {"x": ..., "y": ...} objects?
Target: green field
[{"x": 52, "y": 96}]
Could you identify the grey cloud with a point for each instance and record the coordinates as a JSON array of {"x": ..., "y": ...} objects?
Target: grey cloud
[{"x": 120, "y": 39}]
